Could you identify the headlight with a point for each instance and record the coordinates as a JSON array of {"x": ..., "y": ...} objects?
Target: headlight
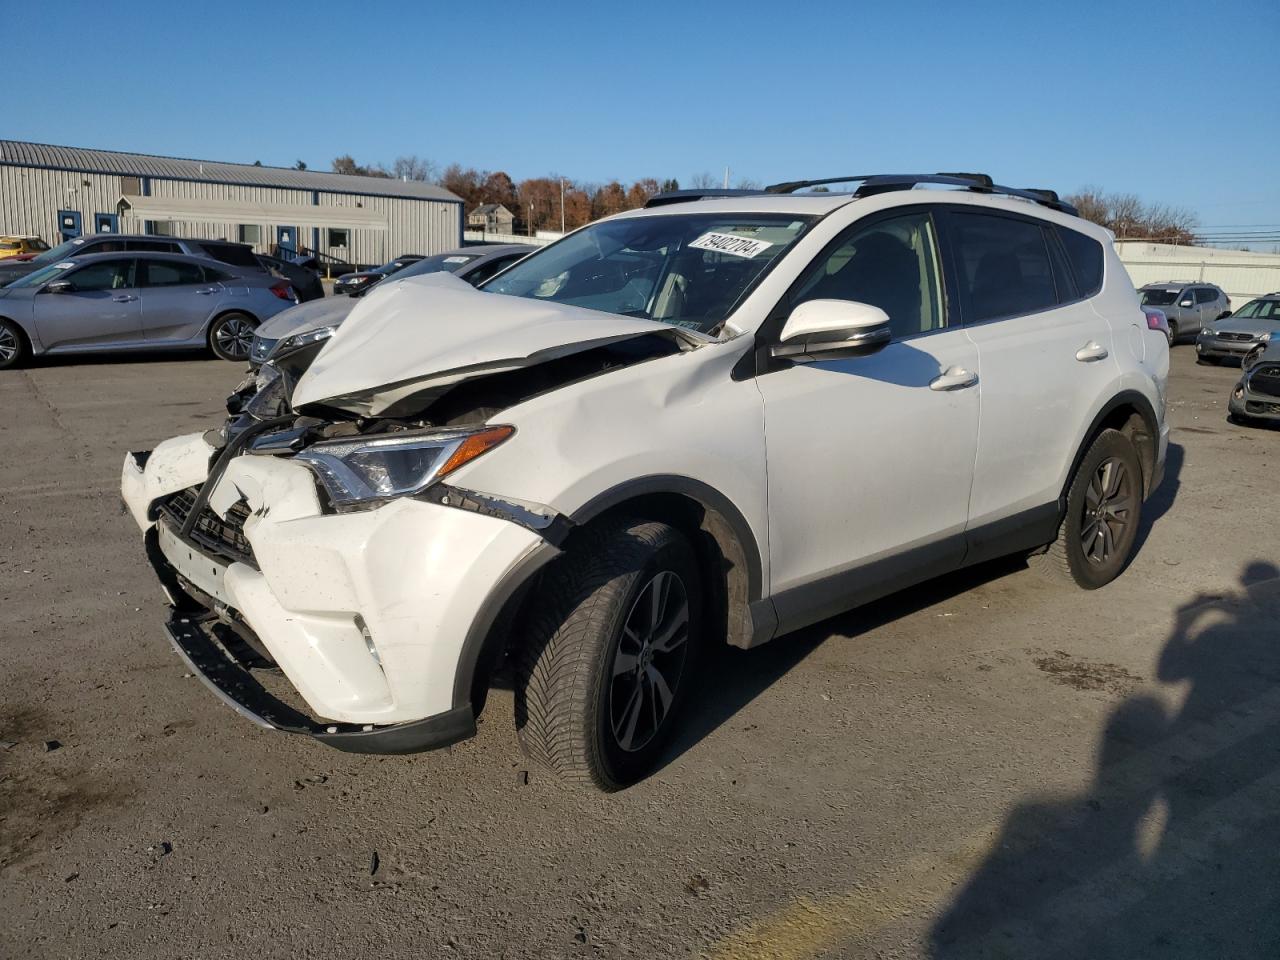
[
  {"x": 1264, "y": 337},
  {"x": 269, "y": 395},
  {"x": 261, "y": 348},
  {"x": 354, "y": 281},
  {"x": 288, "y": 345},
  {"x": 377, "y": 468}
]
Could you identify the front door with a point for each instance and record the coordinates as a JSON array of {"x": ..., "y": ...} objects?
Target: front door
[
  {"x": 101, "y": 307},
  {"x": 287, "y": 240},
  {"x": 106, "y": 223},
  {"x": 870, "y": 459},
  {"x": 176, "y": 299}
]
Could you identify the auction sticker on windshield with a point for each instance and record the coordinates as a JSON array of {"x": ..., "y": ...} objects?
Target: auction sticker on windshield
[{"x": 731, "y": 244}]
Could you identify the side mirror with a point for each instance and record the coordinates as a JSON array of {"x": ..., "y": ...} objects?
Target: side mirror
[
  {"x": 59, "y": 286},
  {"x": 1185, "y": 303},
  {"x": 830, "y": 329}
]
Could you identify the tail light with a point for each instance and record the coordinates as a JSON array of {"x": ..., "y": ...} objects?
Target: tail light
[
  {"x": 284, "y": 291},
  {"x": 1156, "y": 320}
]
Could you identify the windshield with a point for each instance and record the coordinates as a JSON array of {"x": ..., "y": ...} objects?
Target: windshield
[
  {"x": 67, "y": 248},
  {"x": 1260, "y": 309},
  {"x": 43, "y": 275},
  {"x": 1157, "y": 298},
  {"x": 690, "y": 270},
  {"x": 453, "y": 262}
]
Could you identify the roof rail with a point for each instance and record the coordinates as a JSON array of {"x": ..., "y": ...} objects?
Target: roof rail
[
  {"x": 873, "y": 184},
  {"x": 684, "y": 196}
]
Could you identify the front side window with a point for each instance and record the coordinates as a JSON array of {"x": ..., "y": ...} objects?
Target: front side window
[
  {"x": 105, "y": 275},
  {"x": 689, "y": 270},
  {"x": 893, "y": 265},
  {"x": 1003, "y": 266},
  {"x": 170, "y": 273}
]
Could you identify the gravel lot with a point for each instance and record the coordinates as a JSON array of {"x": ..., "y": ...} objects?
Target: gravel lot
[{"x": 988, "y": 765}]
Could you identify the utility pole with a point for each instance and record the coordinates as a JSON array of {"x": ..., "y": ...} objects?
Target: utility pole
[
  {"x": 562, "y": 204},
  {"x": 726, "y": 178}
]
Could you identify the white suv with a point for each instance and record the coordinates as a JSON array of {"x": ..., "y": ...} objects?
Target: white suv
[{"x": 716, "y": 419}]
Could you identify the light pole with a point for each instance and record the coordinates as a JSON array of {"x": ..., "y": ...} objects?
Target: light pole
[{"x": 562, "y": 205}]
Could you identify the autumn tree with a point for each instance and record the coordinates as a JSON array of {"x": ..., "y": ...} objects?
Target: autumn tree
[
  {"x": 1129, "y": 218},
  {"x": 608, "y": 200},
  {"x": 641, "y": 191}
]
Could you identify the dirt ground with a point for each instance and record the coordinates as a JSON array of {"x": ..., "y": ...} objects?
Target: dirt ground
[{"x": 986, "y": 766}]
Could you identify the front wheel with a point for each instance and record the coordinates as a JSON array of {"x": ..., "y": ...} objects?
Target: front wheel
[
  {"x": 1104, "y": 508},
  {"x": 231, "y": 336},
  {"x": 13, "y": 344},
  {"x": 607, "y": 662},
  {"x": 1173, "y": 332}
]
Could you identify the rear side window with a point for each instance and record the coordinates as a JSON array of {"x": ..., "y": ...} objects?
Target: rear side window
[
  {"x": 170, "y": 273},
  {"x": 234, "y": 254},
  {"x": 1205, "y": 295},
  {"x": 1003, "y": 266},
  {"x": 152, "y": 246},
  {"x": 1085, "y": 255},
  {"x": 216, "y": 276}
]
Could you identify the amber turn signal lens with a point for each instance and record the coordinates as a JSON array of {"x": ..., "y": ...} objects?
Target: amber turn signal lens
[{"x": 473, "y": 446}]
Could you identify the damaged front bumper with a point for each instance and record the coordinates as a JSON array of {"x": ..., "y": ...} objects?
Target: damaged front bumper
[{"x": 372, "y": 616}]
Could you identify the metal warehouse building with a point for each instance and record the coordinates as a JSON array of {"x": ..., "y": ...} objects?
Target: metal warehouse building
[{"x": 62, "y": 192}]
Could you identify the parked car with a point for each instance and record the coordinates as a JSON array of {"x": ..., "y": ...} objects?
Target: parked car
[
  {"x": 474, "y": 264},
  {"x": 1256, "y": 396},
  {"x": 304, "y": 280},
  {"x": 1255, "y": 323},
  {"x": 21, "y": 247},
  {"x": 237, "y": 254},
  {"x": 568, "y": 470},
  {"x": 1189, "y": 307},
  {"x": 114, "y": 301},
  {"x": 350, "y": 282}
]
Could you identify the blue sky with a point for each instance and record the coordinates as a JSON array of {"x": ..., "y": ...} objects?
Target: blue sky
[{"x": 1176, "y": 102}]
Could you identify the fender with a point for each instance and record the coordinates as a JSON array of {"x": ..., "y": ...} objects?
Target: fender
[{"x": 1139, "y": 402}]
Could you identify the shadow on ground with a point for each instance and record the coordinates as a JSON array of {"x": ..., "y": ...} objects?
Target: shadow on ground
[{"x": 1171, "y": 852}]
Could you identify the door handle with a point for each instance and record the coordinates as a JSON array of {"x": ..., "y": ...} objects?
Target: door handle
[
  {"x": 954, "y": 378},
  {"x": 125, "y": 298},
  {"x": 1091, "y": 351}
]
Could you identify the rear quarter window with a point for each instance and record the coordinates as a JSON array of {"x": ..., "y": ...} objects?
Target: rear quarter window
[{"x": 1086, "y": 257}]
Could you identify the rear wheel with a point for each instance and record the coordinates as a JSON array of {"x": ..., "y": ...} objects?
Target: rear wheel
[
  {"x": 1104, "y": 508},
  {"x": 13, "y": 344},
  {"x": 231, "y": 336},
  {"x": 607, "y": 662}
]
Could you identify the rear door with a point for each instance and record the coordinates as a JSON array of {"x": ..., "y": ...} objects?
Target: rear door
[
  {"x": 1044, "y": 356},
  {"x": 177, "y": 298},
  {"x": 1206, "y": 306},
  {"x": 101, "y": 307}
]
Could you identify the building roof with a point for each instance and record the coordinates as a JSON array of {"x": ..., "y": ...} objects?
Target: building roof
[
  {"x": 17, "y": 153},
  {"x": 491, "y": 208}
]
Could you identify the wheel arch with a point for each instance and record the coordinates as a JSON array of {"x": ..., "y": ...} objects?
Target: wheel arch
[
  {"x": 728, "y": 555},
  {"x": 1130, "y": 412},
  {"x": 222, "y": 312},
  {"x": 23, "y": 333}
]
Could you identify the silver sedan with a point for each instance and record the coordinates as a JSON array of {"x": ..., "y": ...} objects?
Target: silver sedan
[{"x": 122, "y": 301}]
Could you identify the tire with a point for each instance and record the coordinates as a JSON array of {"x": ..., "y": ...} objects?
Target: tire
[
  {"x": 13, "y": 345},
  {"x": 1067, "y": 558},
  {"x": 1173, "y": 333},
  {"x": 586, "y": 700},
  {"x": 231, "y": 336},
  {"x": 1207, "y": 361}
]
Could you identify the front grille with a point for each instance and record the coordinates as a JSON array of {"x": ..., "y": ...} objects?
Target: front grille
[
  {"x": 1236, "y": 337},
  {"x": 1265, "y": 379},
  {"x": 1257, "y": 406},
  {"x": 222, "y": 538}
]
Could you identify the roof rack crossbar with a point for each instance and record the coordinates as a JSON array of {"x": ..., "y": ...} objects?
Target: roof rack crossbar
[{"x": 873, "y": 184}]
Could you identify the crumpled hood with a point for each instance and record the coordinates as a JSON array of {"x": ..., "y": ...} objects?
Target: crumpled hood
[
  {"x": 312, "y": 315},
  {"x": 433, "y": 331}
]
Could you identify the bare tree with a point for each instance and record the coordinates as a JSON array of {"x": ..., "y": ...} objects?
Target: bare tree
[
  {"x": 703, "y": 181},
  {"x": 414, "y": 167}
]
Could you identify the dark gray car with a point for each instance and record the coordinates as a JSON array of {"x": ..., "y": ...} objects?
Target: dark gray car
[
  {"x": 1189, "y": 307},
  {"x": 1257, "y": 322},
  {"x": 238, "y": 255},
  {"x": 118, "y": 301},
  {"x": 1256, "y": 396}
]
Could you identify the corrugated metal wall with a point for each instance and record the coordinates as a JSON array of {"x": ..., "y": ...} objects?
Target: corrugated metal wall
[
  {"x": 1243, "y": 275},
  {"x": 30, "y": 199}
]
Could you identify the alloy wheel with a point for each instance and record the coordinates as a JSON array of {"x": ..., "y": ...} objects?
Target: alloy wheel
[
  {"x": 1109, "y": 501},
  {"x": 649, "y": 661},
  {"x": 235, "y": 337},
  {"x": 9, "y": 345}
]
